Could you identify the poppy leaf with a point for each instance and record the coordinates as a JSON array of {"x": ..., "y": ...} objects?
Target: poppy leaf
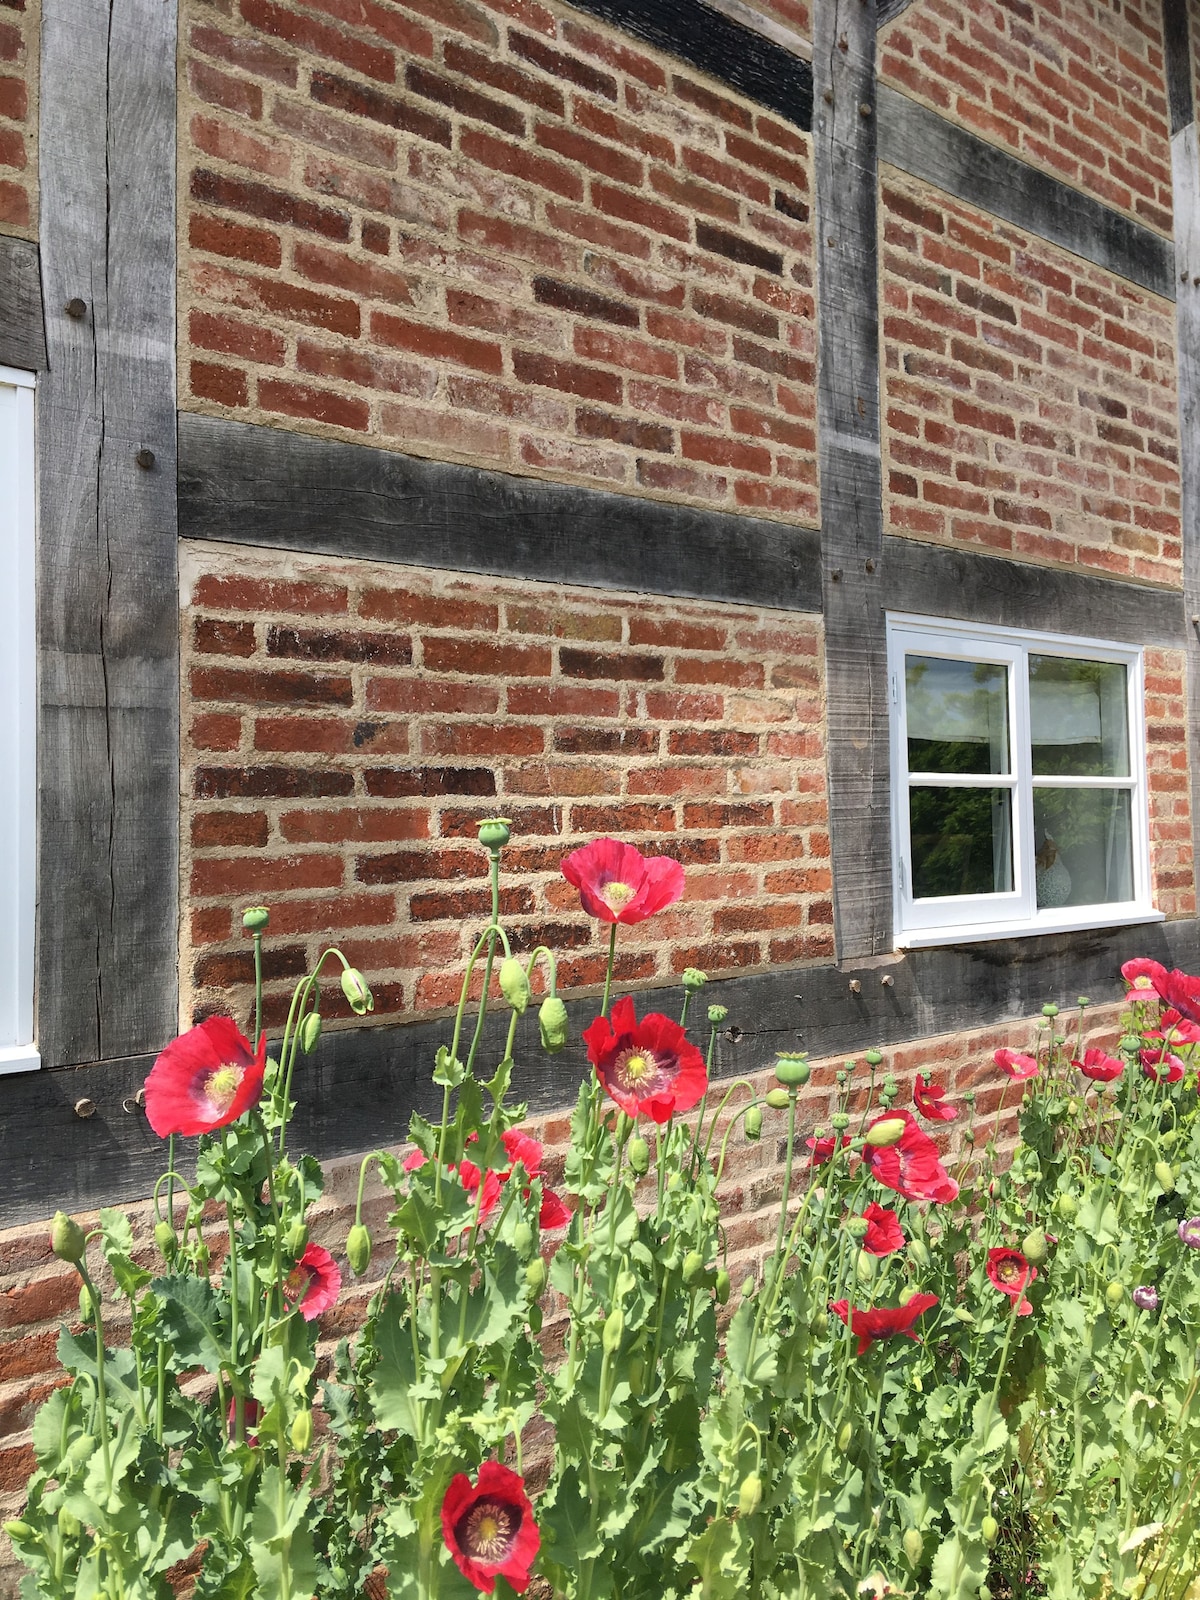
[
  {"x": 192, "y": 1321},
  {"x": 281, "y": 1546}
]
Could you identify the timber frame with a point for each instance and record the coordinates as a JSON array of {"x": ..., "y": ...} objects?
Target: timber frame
[{"x": 108, "y": 627}]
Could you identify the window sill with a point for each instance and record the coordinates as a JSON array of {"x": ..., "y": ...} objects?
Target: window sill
[
  {"x": 19, "y": 1058},
  {"x": 977, "y": 933}
]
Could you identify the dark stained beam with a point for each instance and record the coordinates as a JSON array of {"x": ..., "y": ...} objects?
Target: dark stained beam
[{"x": 22, "y": 327}]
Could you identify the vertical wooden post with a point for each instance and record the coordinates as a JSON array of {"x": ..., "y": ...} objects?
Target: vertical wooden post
[
  {"x": 851, "y": 491},
  {"x": 108, "y": 737}
]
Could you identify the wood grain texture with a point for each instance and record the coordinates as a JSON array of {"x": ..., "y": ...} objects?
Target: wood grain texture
[
  {"x": 889, "y": 10},
  {"x": 108, "y": 612},
  {"x": 253, "y": 485},
  {"x": 851, "y": 493},
  {"x": 359, "y": 1089},
  {"x": 1178, "y": 63},
  {"x": 962, "y": 585},
  {"x": 742, "y": 59},
  {"x": 22, "y": 327},
  {"x": 927, "y": 146}
]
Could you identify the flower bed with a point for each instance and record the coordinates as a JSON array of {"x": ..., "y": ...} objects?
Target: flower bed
[{"x": 943, "y": 1382}]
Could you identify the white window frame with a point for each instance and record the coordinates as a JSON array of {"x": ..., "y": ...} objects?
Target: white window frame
[
  {"x": 18, "y": 717},
  {"x": 963, "y": 919}
]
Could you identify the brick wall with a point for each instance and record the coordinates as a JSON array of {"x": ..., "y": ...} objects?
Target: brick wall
[
  {"x": 1074, "y": 86},
  {"x": 346, "y": 725},
  {"x": 1029, "y": 396},
  {"x": 20, "y": 22},
  {"x": 1172, "y": 865},
  {"x": 498, "y": 232}
]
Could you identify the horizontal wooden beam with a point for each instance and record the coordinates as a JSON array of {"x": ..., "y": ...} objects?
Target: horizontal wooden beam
[
  {"x": 927, "y": 146},
  {"x": 359, "y": 1089},
  {"x": 22, "y": 325},
  {"x": 264, "y": 486}
]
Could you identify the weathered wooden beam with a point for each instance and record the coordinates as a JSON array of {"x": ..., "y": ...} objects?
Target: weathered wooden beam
[
  {"x": 927, "y": 146},
  {"x": 851, "y": 492},
  {"x": 1177, "y": 63},
  {"x": 359, "y": 1089},
  {"x": 725, "y": 49},
  {"x": 108, "y": 614},
  {"x": 22, "y": 327},
  {"x": 889, "y": 10},
  {"x": 255, "y": 485}
]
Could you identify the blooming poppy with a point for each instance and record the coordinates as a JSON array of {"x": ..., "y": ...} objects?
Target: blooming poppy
[
  {"x": 931, "y": 1102},
  {"x": 469, "y": 1176},
  {"x": 1142, "y": 974},
  {"x": 1100, "y": 1068},
  {"x": 648, "y": 1066},
  {"x": 911, "y": 1166},
  {"x": 1189, "y": 1233},
  {"x": 314, "y": 1283},
  {"x": 1011, "y": 1274},
  {"x": 1175, "y": 1028},
  {"x": 1162, "y": 1066},
  {"x": 1017, "y": 1066},
  {"x": 883, "y": 1322},
  {"x": 204, "y": 1079},
  {"x": 883, "y": 1233},
  {"x": 522, "y": 1148},
  {"x": 1145, "y": 1297},
  {"x": 619, "y": 884},
  {"x": 1181, "y": 991},
  {"x": 489, "y": 1529},
  {"x": 823, "y": 1148}
]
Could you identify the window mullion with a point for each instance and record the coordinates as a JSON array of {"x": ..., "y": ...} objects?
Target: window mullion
[{"x": 1022, "y": 746}]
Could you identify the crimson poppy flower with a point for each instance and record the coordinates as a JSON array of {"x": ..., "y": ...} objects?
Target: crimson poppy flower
[
  {"x": 1099, "y": 1067},
  {"x": 930, "y": 1101},
  {"x": 1181, "y": 991},
  {"x": 1143, "y": 974},
  {"x": 469, "y": 1176},
  {"x": 883, "y": 1233},
  {"x": 883, "y": 1322},
  {"x": 204, "y": 1079},
  {"x": 911, "y": 1166},
  {"x": 527, "y": 1151},
  {"x": 1161, "y": 1066},
  {"x": 1173, "y": 1028},
  {"x": 619, "y": 884},
  {"x": 648, "y": 1066},
  {"x": 489, "y": 1529},
  {"x": 1017, "y": 1066},
  {"x": 314, "y": 1283},
  {"x": 822, "y": 1149},
  {"x": 1011, "y": 1274}
]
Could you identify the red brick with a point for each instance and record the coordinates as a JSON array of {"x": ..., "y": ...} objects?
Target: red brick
[
  {"x": 644, "y": 213},
  {"x": 212, "y": 331},
  {"x": 493, "y": 660},
  {"x": 230, "y": 828},
  {"x": 225, "y": 385},
  {"x": 266, "y": 158},
  {"x": 283, "y": 299},
  {"x": 279, "y": 22},
  {"x": 267, "y": 595},
  {"x": 249, "y": 54},
  {"x": 249, "y": 875},
  {"x": 221, "y": 237},
  {"x": 561, "y": 65},
  {"x": 269, "y": 688},
  {"x": 504, "y": 76},
  {"x": 521, "y": 163},
  {"x": 353, "y": 139},
  {"x": 439, "y": 344},
  {"x": 602, "y": 158},
  {"x": 360, "y": 100},
  {"x": 216, "y": 730},
  {"x": 270, "y": 205},
  {"x": 569, "y": 376},
  {"x": 354, "y": 824},
  {"x": 220, "y": 89}
]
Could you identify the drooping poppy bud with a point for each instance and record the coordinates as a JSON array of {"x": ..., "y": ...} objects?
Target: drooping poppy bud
[
  {"x": 302, "y": 1430},
  {"x": 887, "y": 1132},
  {"x": 358, "y": 1249},
  {"x": 514, "y": 985},
  {"x": 914, "y": 1546},
  {"x": 1114, "y": 1294},
  {"x": 614, "y": 1332},
  {"x": 753, "y": 1122},
  {"x": 535, "y": 1276},
  {"x": 553, "y": 1024},
  {"x": 87, "y": 1306},
  {"x": 310, "y": 1032},
  {"x": 67, "y": 1238},
  {"x": 777, "y": 1099},
  {"x": 1165, "y": 1176},
  {"x": 354, "y": 987},
  {"x": 693, "y": 1268},
  {"x": 638, "y": 1152},
  {"x": 722, "y": 1286},
  {"x": 750, "y": 1495},
  {"x": 295, "y": 1240},
  {"x": 166, "y": 1240},
  {"x": 1035, "y": 1247},
  {"x": 990, "y": 1529}
]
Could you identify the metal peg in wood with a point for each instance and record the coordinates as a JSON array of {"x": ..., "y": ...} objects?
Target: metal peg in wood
[
  {"x": 855, "y": 986},
  {"x": 836, "y": 575},
  {"x": 85, "y": 1108},
  {"x": 134, "y": 1102},
  {"x": 76, "y": 308},
  {"x": 864, "y": 109},
  {"x": 145, "y": 459},
  {"x": 828, "y": 99},
  {"x": 887, "y": 980},
  {"x": 869, "y": 564}
]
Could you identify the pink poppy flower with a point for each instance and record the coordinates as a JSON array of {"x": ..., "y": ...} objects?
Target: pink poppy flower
[
  {"x": 822, "y": 1149},
  {"x": 1099, "y": 1067},
  {"x": 931, "y": 1102},
  {"x": 489, "y": 1529},
  {"x": 1161, "y": 1066},
  {"x": 883, "y": 1322},
  {"x": 1142, "y": 975},
  {"x": 1017, "y": 1066},
  {"x": 883, "y": 1233},
  {"x": 1011, "y": 1274},
  {"x": 314, "y": 1283},
  {"x": 617, "y": 883},
  {"x": 912, "y": 1166},
  {"x": 1173, "y": 1028},
  {"x": 204, "y": 1079},
  {"x": 647, "y": 1067},
  {"x": 1181, "y": 991}
]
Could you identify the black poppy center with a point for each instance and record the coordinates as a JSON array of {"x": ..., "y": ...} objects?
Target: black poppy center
[{"x": 488, "y": 1531}]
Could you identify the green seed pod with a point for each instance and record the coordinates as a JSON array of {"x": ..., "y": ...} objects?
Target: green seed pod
[
  {"x": 819, "y": 1326},
  {"x": 750, "y": 1495},
  {"x": 777, "y": 1099},
  {"x": 295, "y": 1240},
  {"x": 693, "y": 1268},
  {"x": 840, "y": 1121},
  {"x": 638, "y": 1152},
  {"x": 553, "y": 1024},
  {"x": 914, "y": 1546},
  {"x": 310, "y": 1032},
  {"x": 753, "y": 1123},
  {"x": 694, "y": 980},
  {"x": 614, "y": 1332},
  {"x": 717, "y": 1015},
  {"x": 888, "y": 1132},
  {"x": 1067, "y": 1206},
  {"x": 1114, "y": 1294},
  {"x": 1165, "y": 1176},
  {"x": 918, "y": 1252},
  {"x": 857, "y": 1227},
  {"x": 865, "y": 1267},
  {"x": 514, "y": 985},
  {"x": 873, "y": 1058},
  {"x": 166, "y": 1240},
  {"x": 522, "y": 1238},
  {"x": 256, "y": 918},
  {"x": 358, "y": 1249},
  {"x": 1050, "y": 1009},
  {"x": 535, "y": 1277},
  {"x": 792, "y": 1069},
  {"x": 67, "y": 1238},
  {"x": 990, "y": 1529},
  {"x": 1035, "y": 1247},
  {"x": 722, "y": 1286},
  {"x": 845, "y": 1435},
  {"x": 354, "y": 987},
  {"x": 302, "y": 1430},
  {"x": 495, "y": 832}
]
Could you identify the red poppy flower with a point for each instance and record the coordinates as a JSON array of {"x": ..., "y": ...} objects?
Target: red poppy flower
[
  {"x": 1175, "y": 1029},
  {"x": 204, "y": 1079},
  {"x": 1017, "y": 1066},
  {"x": 931, "y": 1101},
  {"x": 1011, "y": 1274},
  {"x": 1099, "y": 1067},
  {"x": 1143, "y": 974},
  {"x": 1161, "y": 1066},
  {"x": 912, "y": 1166},
  {"x": 883, "y": 1322},
  {"x": 647, "y": 1067},
  {"x": 314, "y": 1283},
  {"x": 489, "y": 1529},
  {"x": 822, "y": 1149},
  {"x": 619, "y": 884},
  {"x": 528, "y": 1151},
  {"x": 1180, "y": 990},
  {"x": 469, "y": 1176},
  {"x": 251, "y": 1416},
  {"x": 883, "y": 1233}
]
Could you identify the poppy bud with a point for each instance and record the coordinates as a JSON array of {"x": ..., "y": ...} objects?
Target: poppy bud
[
  {"x": 310, "y": 1032},
  {"x": 67, "y": 1238},
  {"x": 1114, "y": 1294},
  {"x": 888, "y": 1132},
  {"x": 354, "y": 987},
  {"x": 166, "y": 1240},
  {"x": 1073, "y": 1108},
  {"x": 694, "y": 980},
  {"x": 638, "y": 1152},
  {"x": 16, "y": 1529},
  {"x": 693, "y": 1268},
  {"x": 753, "y": 1122},
  {"x": 533, "y": 1316},
  {"x": 295, "y": 1240},
  {"x": 777, "y": 1099},
  {"x": 792, "y": 1070},
  {"x": 514, "y": 985},
  {"x": 961, "y": 1314},
  {"x": 864, "y": 1267},
  {"x": 358, "y": 1249},
  {"x": 256, "y": 918},
  {"x": 990, "y": 1529},
  {"x": 535, "y": 1277},
  {"x": 1035, "y": 1247},
  {"x": 1145, "y": 1297},
  {"x": 845, "y": 1435},
  {"x": 1067, "y": 1206},
  {"x": 68, "y": 1523},
  {"x": 914, "y": 1546},
  {"x": 302, "y": 1430},
  {"x": 552, "y": 1024},
  {"x": 918, "y": 1252},
  {"x": 522, "y": 1238},
  {"x": 747, "y": 1288},
  {"x": 819, "y": 1326},
  {"x": 614, "y": 1332},
  {"x": 1165, "y": 1176},
  {"x": 87, "y": 1306},
  {"x": 857, "y": 1227},
  {"x": 495, "y": 832},
  {"x": 750, "y": 1495},
  {"x": 722, "y": 1286}
]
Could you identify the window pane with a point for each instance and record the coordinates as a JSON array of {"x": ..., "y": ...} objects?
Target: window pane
[
  {"x": 957, "y": 715},
  {"x": 961, "y": 841},
  {"x": 1084, "y": 844},
  {"x": 1079, "y": 718}
]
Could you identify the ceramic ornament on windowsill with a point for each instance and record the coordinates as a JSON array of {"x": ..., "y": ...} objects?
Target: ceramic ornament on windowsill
[{"x": 1052, "y": 879}]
